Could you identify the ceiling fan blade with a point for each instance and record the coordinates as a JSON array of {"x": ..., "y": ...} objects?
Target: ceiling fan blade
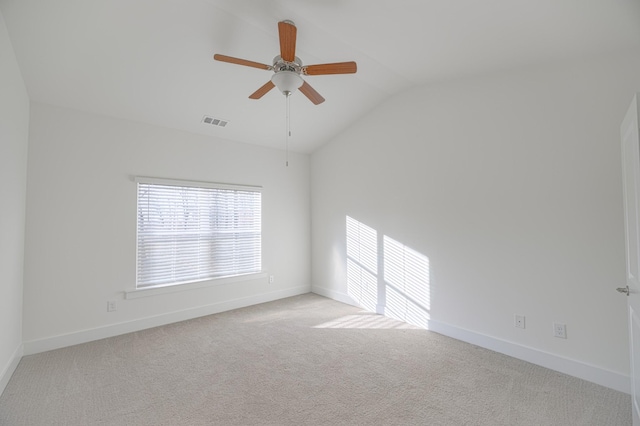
[
  {"x": 239, "y": 61},
  {"x": 311, "y": 93},
  {"x": 287, "y": 32},
  {"x": 335, "y": 68},
  {"x": 262, "y": 91}
]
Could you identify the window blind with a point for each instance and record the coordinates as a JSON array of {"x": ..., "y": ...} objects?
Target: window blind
[{"x": 191, "y": 233}]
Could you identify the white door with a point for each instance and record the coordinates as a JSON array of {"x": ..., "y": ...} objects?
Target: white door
[{"x": 631, "y": 183}]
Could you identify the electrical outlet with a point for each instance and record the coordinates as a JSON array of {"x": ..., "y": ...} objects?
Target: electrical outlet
[
  {"x": 271, "y": 279},
  {"x": 560, "y": 330},
  {"x": 112, "y": 306},
  {"x": 519, "y": 321}
]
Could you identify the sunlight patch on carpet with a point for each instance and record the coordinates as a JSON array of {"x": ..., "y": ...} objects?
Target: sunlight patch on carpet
[{"x": 366, "y": 320}]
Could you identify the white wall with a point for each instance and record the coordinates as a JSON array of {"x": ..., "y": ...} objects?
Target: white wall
[
  {"x": 511, "y": 186},
  {"x": 81, "y": 227},
  {"x": 14, "y": 127}
]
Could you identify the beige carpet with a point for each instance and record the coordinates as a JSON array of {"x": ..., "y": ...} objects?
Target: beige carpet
[{"x": 305, "y": 360}]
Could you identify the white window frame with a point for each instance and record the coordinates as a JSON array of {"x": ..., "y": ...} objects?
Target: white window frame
[{"x": 199, "y": 282}]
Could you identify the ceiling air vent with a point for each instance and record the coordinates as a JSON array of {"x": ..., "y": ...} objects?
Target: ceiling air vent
[{"x": 214, "y": 121}]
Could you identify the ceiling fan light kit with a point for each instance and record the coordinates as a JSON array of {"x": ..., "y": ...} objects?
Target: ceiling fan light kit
[
  {"x": 287, "y": 81},
  {"x": 288, "y": 68}
]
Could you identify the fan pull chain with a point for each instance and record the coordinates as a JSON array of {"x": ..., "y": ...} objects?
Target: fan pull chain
[{"x": 287, "y": 95}]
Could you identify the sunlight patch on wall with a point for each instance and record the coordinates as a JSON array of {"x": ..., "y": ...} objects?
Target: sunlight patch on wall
[
  {"x": 406, "y": 277},
  {"x": 362, "y": 263},
  {"x": 399, "y": 286}
]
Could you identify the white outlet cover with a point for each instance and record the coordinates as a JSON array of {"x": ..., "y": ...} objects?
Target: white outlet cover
[{"x": 560, "y": 330}]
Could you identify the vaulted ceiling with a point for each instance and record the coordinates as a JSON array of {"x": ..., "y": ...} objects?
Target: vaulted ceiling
[{"x": 152, "y": 60}]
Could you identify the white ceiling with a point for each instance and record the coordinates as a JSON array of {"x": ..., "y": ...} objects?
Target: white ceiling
[{"x": 151, "y": 60}]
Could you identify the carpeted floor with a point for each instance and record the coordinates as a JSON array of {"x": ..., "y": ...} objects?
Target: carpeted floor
[{"x": 305, "y": 360}]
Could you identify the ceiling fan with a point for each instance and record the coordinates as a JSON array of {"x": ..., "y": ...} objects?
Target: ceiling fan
[{"x": 288, "y": 68}]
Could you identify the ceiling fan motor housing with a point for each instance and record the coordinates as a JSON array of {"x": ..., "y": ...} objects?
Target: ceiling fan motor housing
[{"x": 280, "y": 64}]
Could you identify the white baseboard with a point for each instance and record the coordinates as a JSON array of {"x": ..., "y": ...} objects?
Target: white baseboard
[
  {"x": 84, "y": 336},
  {"x": 571, "y": 367},
  {"x": 11, "y": 366},
  {"x": 600, "y": 376},
  {"x": 334, "y": 295},
  {"x": 568, "y": 366}
]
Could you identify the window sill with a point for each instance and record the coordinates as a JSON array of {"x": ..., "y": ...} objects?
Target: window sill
[{"x": 153, "y": 291}]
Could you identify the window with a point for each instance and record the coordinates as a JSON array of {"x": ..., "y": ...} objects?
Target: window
[{"x": 192, "y": 231}]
